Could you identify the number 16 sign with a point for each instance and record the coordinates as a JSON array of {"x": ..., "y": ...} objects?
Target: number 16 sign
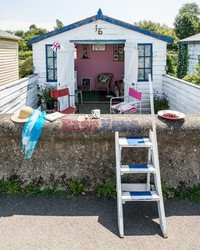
[{"x": 98, "y": 30}]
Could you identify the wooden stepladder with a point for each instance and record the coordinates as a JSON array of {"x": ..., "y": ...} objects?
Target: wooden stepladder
[{"x": 140, "y": 191}]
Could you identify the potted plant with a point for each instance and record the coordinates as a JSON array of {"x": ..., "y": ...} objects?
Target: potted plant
[{"x": 45, "y": 99}]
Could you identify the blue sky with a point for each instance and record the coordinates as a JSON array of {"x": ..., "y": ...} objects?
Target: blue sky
[{"x": 20, "y": 14}]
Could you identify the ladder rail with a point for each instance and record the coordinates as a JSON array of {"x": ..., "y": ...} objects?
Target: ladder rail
[
  {"x": 157, "y": 177},
  {"x": 119, "y": 185}
]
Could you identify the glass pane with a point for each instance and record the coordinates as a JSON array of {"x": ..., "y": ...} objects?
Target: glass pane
[
  {"x": 55, "y": 53},
  {"x": 55, "y": 62},
  {"x": 49, "y": 51},
  {"x": 50, "y": 63},
  {"x": 55, "y": 75},
  {"x": 147, "y": 62},
  {"x": 147, "y": 50},
  {"x": 147, "y": 71},
  {"x": 141, "y": 50},
  {"x": 141, "y": 62},
  {"x": 50, "y": 75},
  {"x": 140, "y": 74}
]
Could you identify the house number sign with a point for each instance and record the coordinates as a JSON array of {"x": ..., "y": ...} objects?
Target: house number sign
[{"x": 98, "y": 30}]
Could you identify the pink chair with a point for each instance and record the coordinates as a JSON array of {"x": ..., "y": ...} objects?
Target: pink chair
[{"x": 127, "y": 107}]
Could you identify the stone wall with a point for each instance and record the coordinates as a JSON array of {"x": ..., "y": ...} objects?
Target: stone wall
[{"x": 90, "y": 155}]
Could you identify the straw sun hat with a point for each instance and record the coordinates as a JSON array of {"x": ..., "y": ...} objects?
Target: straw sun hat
[{"x": 22, "y": 115}]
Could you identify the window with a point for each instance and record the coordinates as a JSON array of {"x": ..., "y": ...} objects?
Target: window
[
  {"x": 51, "y": 64},
  {"x": 144, "y": 61}
]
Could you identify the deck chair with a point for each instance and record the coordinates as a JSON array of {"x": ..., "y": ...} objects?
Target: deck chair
[
  {"x": 127, "y": 107},
  {"x": 54, "y": 93}
]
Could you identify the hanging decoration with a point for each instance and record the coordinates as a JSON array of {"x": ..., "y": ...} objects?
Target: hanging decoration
[{"x": 55, "y": 46}]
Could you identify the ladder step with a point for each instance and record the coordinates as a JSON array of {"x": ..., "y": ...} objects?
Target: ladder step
[
  {"x": 135, "y": 142},
  {"x": 140, "y": 196},
  {"x": 143, "y": 168}
]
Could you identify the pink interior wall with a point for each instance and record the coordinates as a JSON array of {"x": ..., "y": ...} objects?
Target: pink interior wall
[{"x": 99, "y": 62}]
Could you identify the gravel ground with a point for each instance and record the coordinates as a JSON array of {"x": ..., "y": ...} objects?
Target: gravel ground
[{"x": 91, "y": 223}]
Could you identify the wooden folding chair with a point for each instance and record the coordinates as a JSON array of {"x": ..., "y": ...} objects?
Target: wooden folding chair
[
  {"x": 55, "y": 94},
  {"x": 127, "y": 106}
]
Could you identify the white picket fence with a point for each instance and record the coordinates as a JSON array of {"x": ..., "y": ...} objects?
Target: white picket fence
[
  {"x": 17, "y": 94},
  {"x": 182, "y": 96}
]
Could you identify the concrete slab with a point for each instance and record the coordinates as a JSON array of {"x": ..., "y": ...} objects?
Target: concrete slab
[{"x": 91, "y": 223}]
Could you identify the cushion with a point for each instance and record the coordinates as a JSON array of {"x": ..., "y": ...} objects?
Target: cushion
[{"x": 104, "y": 78}]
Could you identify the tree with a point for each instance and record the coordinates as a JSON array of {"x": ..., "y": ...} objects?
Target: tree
[
  {"x": 187, "y": 22},
  {"x": 25, "y": 50},
  {"x": 148, "y": 25},
  {"x": 162, "y": 29},
  {"x": 59, "y": 25},
  {"x": 19, "y": 33}
]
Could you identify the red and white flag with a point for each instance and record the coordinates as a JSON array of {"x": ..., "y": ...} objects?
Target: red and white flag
[{"x": 55, "y": 46}]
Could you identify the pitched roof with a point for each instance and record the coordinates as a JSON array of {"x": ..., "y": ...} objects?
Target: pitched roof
[
  {"x": 9, "y": 36},
  {"x": 191, "y": 39},
  {"x": 100, "y": 16}
]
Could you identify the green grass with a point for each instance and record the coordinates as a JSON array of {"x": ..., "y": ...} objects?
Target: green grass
[
  {"x": 194, "y": 193},
  {"x": 32, "y": 190},
  {"x": 76, "y": 187},
  {"x": 107, "y": 189},
  {"x": 190, "y": 194},
  {"x": 12, "y": 187},
  {"x": 2, "y": 187},
  {"x": 52, "y": 190}
]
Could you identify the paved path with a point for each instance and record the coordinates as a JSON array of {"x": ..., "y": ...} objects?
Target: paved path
[{"x": 91, "y": 223}]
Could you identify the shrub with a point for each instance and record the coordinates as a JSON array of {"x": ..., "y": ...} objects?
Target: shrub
[
  {"x": 194, "y": 78},
  {"x": 194, "y": 193},
  {"x": 160, "y": 103},
  {"x": 31, "y": 190},
  {"x": 24, "y": 54},
  {"x": 2, "y": 187},
  {"x": 107, "y": 189},
  {"x": 76, "y": 187},
  {"x": 12, "y": 187},
  {"x": 26, "y": 67},
  {"x": 182, "y": 60},
  {"x": 52, "y": 190},
  {"x": 172, "y": 63}
]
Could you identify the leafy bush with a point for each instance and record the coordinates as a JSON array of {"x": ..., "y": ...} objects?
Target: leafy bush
[
  {"x": 182, "y": 60},
  {"x": 26, "y": 67},
  {"x": 107, "y": 189},
  {"x": 194, "y": 78},
  {"x": 160, "y": 103},
  {"x": 52, "y": 190},
  {"x": 31, "y": 190},
  {"x": 194, "y": 193},
  {"x": 76, "y": 187},
  {"x": 191, "y": 194},
  {"x": 44, "y": 97},
  {"x": 172, "y": 63},
  {"x": 12, "y": 187},
  {"x": 24, "y": 54},
  {"x": 2, "y": 187}
]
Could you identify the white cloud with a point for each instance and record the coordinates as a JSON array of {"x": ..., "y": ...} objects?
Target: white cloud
[{"x": 23, "y": 25}]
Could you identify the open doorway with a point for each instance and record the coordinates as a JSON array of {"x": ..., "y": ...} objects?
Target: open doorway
[{"x": 100, "y": 70}]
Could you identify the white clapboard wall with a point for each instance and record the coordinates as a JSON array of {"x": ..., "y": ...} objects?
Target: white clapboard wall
[
  {"x": 17, "y": 94},
  {"x": 9, "y": 62},
  {"x": 183, "y": 96}
]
